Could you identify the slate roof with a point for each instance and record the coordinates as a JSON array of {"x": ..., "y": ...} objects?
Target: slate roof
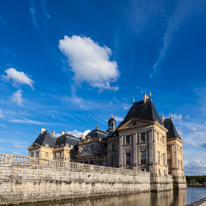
[
  {"x": 141, "y": 110},
  {"x": 97, "y": 133},
  {"x": 45, "y": 139},
  {"x": 172, "y": 132},
  {"x": 67, "y": 139}
]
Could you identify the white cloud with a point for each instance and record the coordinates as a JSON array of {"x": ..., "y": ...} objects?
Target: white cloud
[
  {"x": 17, "y": 77},
  {"x": 126, "y": 106},
  {"x": 195, "y": 167},
  {"x": 77, "y": 133},
  {"x": 17, "y": 97},
  {"x": 177, "y": 117},
  {"x": 1, "y": 114},
  {"x": 19, "y": 146},
  {"x": 90, "y": 62},
  {"x": 118, "y": 119}
]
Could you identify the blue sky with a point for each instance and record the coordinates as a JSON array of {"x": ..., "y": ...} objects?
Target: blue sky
[{"x": 69, "y": 65}]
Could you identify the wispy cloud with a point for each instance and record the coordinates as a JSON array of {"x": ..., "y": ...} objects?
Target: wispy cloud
[
  {"x": 17, "y": 77},
  {"x": 2, "y": 20},
  {"x": 90, "y": 62},
  {"x": 3, "y": 125},
  {"x": 17, "y": 97},
  {"x": 27, "y": 121},
  {"x": 33, "y": 17},
  {"x": 46, "y": 14},
  {"x": 16, "y": 144},
  {"x": 125, "y": 106},
  {"x": 1, "y": 114},
  {"x": 181, "y": 12}
]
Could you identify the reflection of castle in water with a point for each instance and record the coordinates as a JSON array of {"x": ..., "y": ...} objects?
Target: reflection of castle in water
[{"x": 176, "y": 198}]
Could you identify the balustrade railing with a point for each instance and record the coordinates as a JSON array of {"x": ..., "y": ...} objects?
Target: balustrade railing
[{"x": 15, "y": 159}]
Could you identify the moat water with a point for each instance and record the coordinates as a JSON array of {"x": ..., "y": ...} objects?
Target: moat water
[{"x": 176, "y": 198}]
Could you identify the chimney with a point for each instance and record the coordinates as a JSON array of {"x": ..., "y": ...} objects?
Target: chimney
[
  {"x": 42, "y": 130},
  {"x": 83, "y": 137},
  {"x": 145, "y": 98},
  {"x": 62, "y": 133},
  {"x": 53, "y": 134},
  {"x": 163, "y": 119}
]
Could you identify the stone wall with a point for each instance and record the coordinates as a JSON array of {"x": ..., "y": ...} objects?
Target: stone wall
[{"x": 25, "y": 179}]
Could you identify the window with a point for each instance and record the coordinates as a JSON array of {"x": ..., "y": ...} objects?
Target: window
[
  {"x": 128, "y": 139},
  {"x": 37, "y": 154},
  {"x": 128, "y": 158},
  {"x": 169, "y": 162},
  {"x": 163, "y": 156},
  {"x": 143, "y": 137},
  {"x": 32, "y": 154},
  {"x": 158, "y": 158},
  {"x": 113, "y": 146},
  {"x": 143, "y": 157},
  {"x": 168, "y": 148}
]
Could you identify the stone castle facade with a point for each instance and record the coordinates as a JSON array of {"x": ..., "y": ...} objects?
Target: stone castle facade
[{"x": 143, "y": 141}]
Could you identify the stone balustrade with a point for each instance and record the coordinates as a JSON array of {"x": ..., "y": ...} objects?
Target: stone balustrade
[{"x": 73, "y": 166}]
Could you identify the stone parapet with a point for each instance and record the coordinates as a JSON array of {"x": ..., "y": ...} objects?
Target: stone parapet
[{"x": 27, "y": 179}]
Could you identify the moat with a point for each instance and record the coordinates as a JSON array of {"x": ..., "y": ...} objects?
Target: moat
[{"x": 170, "y": 198}]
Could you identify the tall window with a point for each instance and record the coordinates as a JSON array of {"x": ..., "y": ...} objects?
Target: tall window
[
  {"x": 143, "y": 157},
  {"x": 158, "y": 158},
  {"x": 163, "y": 156},
  {"x": 128, "y": 158},
  {"x": 128, "y": 139},
  {"x": 143, "y": 137},
  {"x": 113, "y": 146},
  {"x": 37, "y": 154}
]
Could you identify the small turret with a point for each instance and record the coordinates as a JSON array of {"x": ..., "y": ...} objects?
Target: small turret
[{"x": 111, "y": 124}]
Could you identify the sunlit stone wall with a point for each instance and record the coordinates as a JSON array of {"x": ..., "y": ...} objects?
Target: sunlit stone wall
[{"x": 25, "y": 179}]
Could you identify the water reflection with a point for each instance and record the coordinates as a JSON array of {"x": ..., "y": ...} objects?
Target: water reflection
[{"x": 170, "y": 198}]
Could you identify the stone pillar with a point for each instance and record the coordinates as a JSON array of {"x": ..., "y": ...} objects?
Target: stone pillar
[
  {"x": 138, "y": 155},
  {"x": 134, "y": 149},
  {"x": 153, "y": 148},
  {"x": 121, "y": 151}
]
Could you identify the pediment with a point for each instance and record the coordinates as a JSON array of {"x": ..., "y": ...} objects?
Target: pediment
[
  {"x": 132, "y": 123},
  {"x": 34, "y": 146}
]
